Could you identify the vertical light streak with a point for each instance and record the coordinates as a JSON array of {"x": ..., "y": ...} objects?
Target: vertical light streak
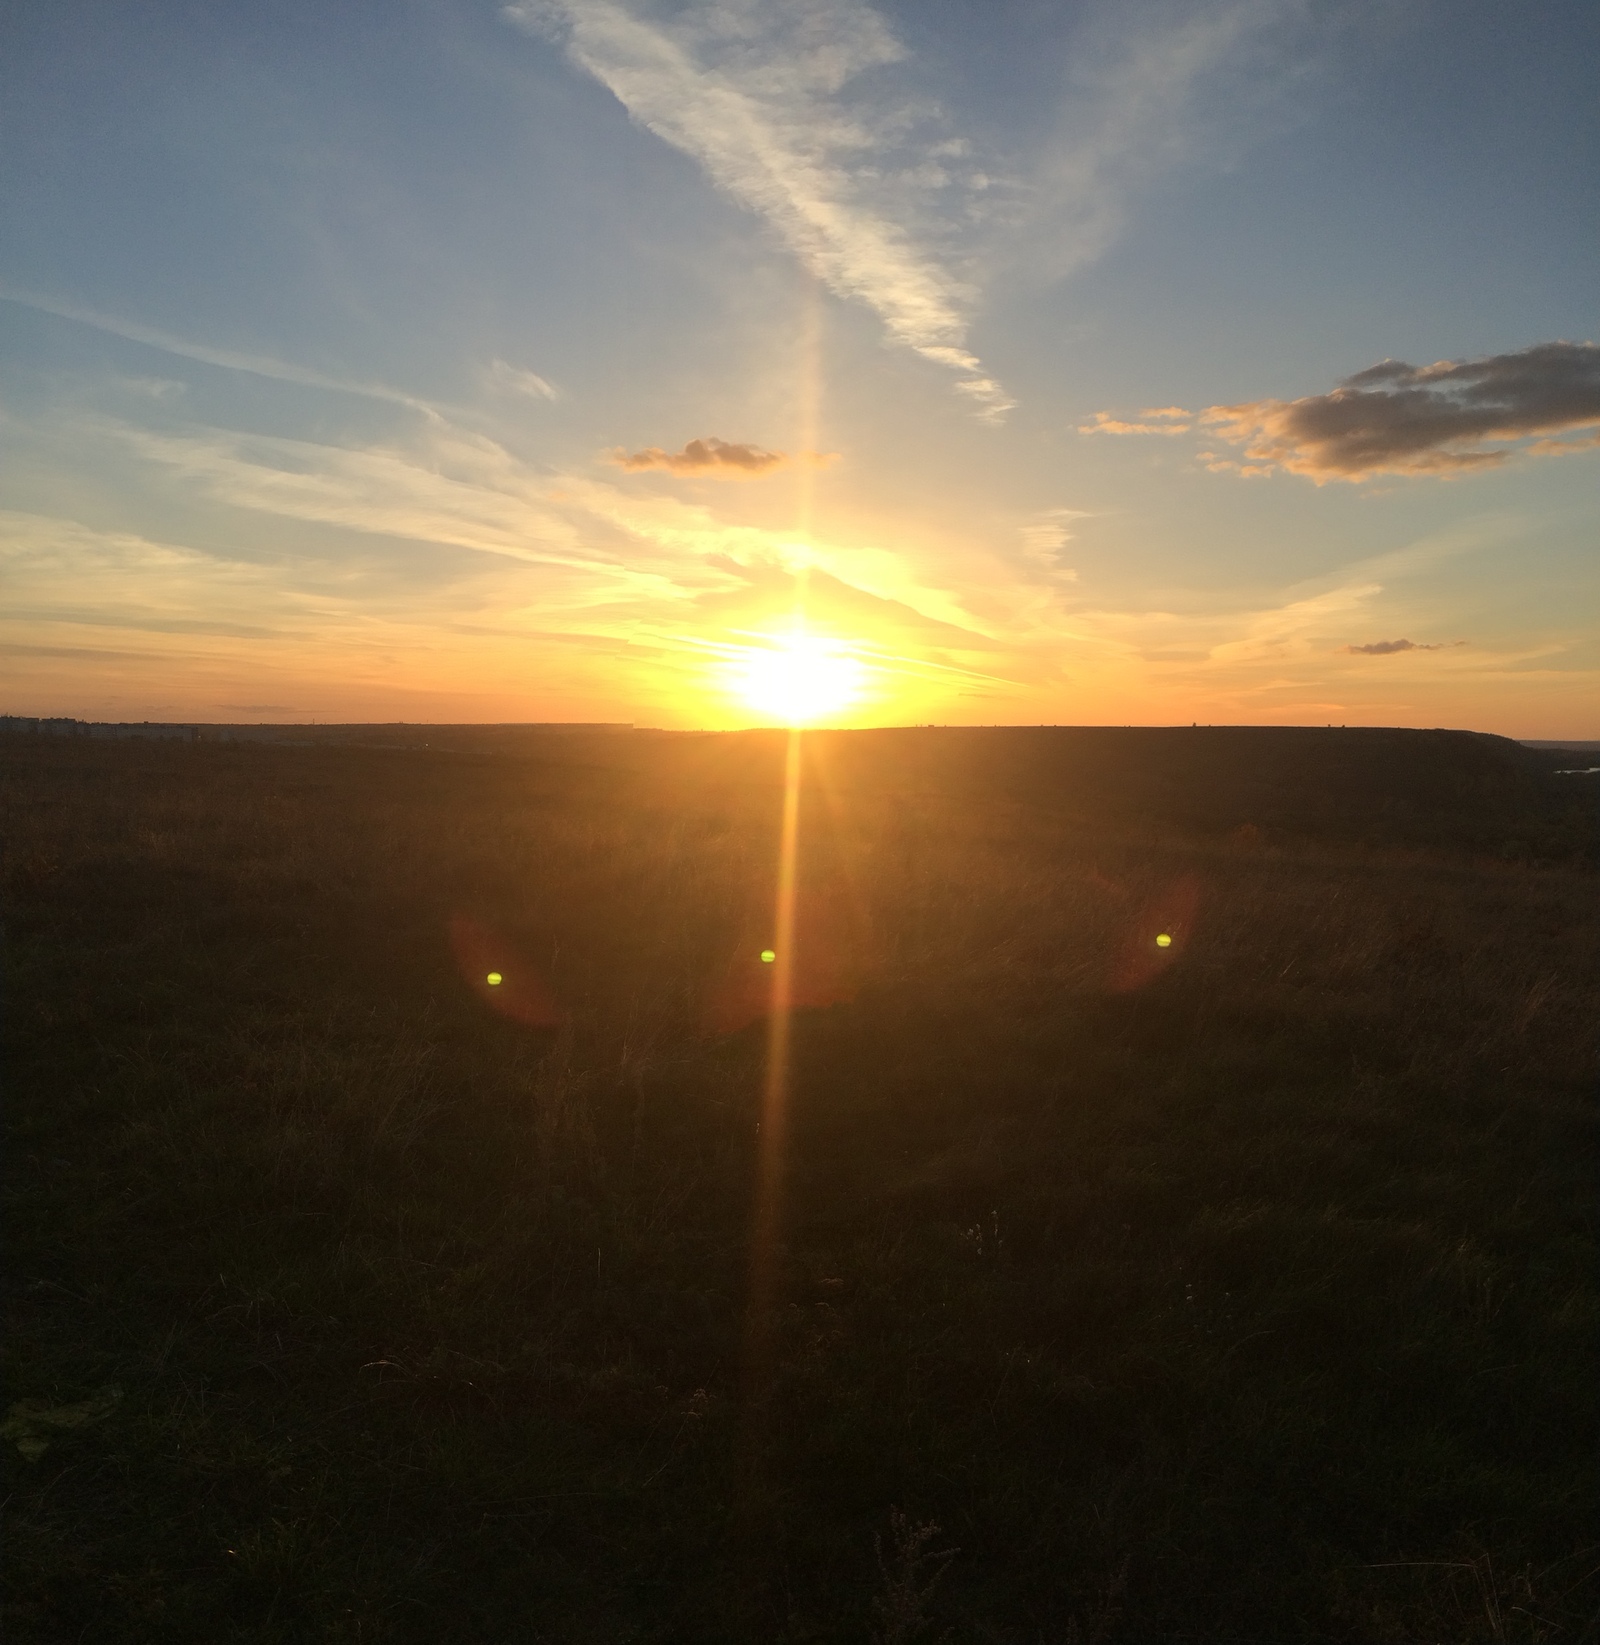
[
  {"x": 773, "y": 1135},
  {"x": 767, "y": 1217},
  {"x": 808, "y": 409}
]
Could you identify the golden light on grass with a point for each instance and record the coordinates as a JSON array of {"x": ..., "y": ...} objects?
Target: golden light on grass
[
  {"x": 773, "y": 1127},
  {"x": 798, "y": 679}
]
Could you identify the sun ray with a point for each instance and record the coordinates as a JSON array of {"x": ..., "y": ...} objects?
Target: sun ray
[{"x": 798, "y": 680}]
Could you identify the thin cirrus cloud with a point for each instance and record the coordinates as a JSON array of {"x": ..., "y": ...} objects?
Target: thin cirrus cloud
[
  {"x": 1045, "y": 535},
  {"x": 256, "y": 365},
  {"x": 593, "y": 545},
  {"x": 760, "y": 98},
  {"x": 1152, "y": 89},
  {"x": 518, "y": 380}
]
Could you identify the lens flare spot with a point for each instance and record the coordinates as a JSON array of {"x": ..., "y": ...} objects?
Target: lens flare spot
[
  {"x": 767, "y": 956},
  {"x": 1163, "y": 941},
  {"x": 494, "y": 979}
]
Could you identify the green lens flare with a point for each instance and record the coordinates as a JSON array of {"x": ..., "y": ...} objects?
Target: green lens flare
[
  {"x": 494, "y": 979},
  {"x": 767, "y": 956},
  {"x": 1163, "y": 941}
]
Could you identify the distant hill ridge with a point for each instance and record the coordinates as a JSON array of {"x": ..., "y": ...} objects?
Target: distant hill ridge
[
  {"x": 399, "y": 733},
  {"x": 1464, "y": 789}
]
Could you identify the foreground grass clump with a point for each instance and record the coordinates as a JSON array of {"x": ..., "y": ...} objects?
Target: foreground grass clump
[{"x": 1238, "y": 1289}]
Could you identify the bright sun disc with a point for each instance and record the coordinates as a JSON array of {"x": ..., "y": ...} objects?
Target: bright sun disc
[{"x": 799, "y": 680}]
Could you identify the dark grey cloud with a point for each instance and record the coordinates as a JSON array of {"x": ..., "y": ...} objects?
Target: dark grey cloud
[
  {"x": 1387, "y": 648},
  {"x": 1395, "y": 418}
]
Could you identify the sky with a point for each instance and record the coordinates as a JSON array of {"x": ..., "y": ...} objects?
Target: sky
[{"x": 705, "y": 363}]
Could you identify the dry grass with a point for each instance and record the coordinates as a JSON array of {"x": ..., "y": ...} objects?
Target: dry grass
[{"x": 1243, "y": 1289}]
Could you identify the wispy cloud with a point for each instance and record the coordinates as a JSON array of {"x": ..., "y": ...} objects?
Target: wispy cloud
[
  {"x": 1149, "y": 90},
  {"x": 758, "y": 94},
  {"x": 592, "y": 545},
  {"x": 519, "y": 380},
  {"x": 60, "y": 572},
  {"x": 258, "y": 365},
  {"x": 648, "y": 585},
  {"x": 1045, "y": 535},
  {"x": 1287, "y": 630},
  {"x": 463, "y": 492},
  {"x": 1395, "y": 418}
]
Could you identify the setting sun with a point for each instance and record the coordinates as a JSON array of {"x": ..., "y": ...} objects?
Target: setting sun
[{"x": 799, "y": 679}]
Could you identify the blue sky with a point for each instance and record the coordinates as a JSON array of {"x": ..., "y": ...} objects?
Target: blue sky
[{"x": 324, "y": 331}]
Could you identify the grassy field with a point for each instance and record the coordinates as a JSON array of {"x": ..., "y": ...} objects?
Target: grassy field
[{"x": 1238, "y": 1288}]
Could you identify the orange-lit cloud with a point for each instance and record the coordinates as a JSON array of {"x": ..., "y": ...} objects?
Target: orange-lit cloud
[
  {"x": 1155, "y": 420},
  {"x": 724, "y": 459},
  {"x": 1395, "y": 418},
  {"x": 443, "y": 577}
]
